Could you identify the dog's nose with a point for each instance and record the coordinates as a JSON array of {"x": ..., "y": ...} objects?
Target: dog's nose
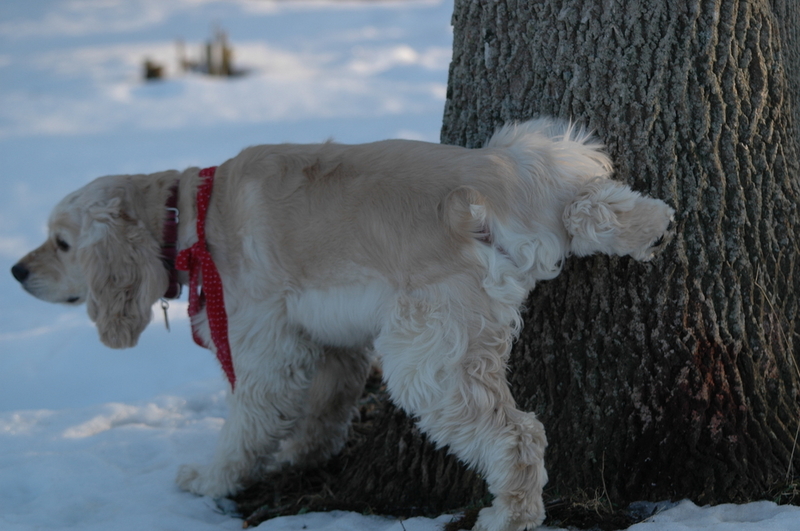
[{"x": 20, "y": 272}]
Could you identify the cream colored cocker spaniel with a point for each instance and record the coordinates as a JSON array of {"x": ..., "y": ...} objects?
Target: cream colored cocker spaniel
[{"x": 421, "y": 253}]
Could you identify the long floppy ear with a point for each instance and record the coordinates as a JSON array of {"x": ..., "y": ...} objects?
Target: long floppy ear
[
  {"x": 121, "y": 260},
  {"x": 608, "y": 217}
]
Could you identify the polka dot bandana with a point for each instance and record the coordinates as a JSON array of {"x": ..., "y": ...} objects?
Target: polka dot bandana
[{"x": 205, "y": 284}]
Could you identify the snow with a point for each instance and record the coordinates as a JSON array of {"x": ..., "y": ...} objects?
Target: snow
[{"x": 91, "y": 438}]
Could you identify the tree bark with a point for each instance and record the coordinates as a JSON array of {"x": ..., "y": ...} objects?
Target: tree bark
[
  {"x": 787, "y": 16},
  {"x": 678, "y": 378}
]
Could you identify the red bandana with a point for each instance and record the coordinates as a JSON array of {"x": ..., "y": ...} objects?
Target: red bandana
[{"x": 205, "y": 285}]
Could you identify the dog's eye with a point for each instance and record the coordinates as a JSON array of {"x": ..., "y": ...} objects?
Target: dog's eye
[{"x": 64, "y": 246}]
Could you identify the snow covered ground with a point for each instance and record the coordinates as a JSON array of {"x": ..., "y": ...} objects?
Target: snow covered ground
[{"x": 91, "y": 438}]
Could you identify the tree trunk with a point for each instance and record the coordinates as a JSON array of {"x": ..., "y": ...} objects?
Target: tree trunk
[
  {"x": 787, "y": 16},
  {"x": 677, "y": 378},
  {"x": 673, "y": 379}
]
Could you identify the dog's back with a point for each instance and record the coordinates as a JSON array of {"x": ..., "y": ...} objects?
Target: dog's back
[{"x": 406, "y": 210}]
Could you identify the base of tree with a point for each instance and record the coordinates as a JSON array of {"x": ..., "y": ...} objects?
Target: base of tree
[{"x": 390, "y": 468}]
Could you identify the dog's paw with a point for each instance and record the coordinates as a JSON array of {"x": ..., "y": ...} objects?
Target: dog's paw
[
  {"x": 187, "y": 478},
  {"x": 608, "y": 217},
  {"x": 658, "y": 229},
  {"x": 661, "y": 241},
  {"x": 200, "y": 480}
]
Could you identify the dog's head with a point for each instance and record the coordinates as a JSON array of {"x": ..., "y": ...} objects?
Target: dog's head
[
  {"x": 606, "y": 216},
  {"x": 99, "y": 251}
]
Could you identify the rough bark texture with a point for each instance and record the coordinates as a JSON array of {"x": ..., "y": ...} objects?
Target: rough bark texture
[
  {"x": 787, "y": 16},
  {"x": 677, "y": 378},
  {"x": 400, "y": 472}
]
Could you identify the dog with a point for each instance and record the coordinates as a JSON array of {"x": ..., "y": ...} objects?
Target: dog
[{"x": 420, "y": 253}]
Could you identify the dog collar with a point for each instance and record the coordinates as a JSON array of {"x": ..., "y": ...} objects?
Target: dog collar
[
  {"x": 169, "y": 247},
  {"x": 205, "y": 284}
]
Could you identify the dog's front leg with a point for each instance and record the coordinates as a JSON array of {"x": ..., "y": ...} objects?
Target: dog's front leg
[
  {"x": 268, "y": 401},
  {"x": 240, "y": 443}
]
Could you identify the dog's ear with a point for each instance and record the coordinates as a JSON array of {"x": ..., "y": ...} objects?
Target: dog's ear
[
  {"x": 608, "y": 217},
  {"x": 125, "y": 275}
]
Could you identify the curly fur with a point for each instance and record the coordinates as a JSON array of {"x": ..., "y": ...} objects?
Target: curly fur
[{"x": 423, "y": 253}]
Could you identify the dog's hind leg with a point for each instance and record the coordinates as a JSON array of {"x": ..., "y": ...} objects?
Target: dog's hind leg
[
  {"x": 450, "y": 374},
  {"x": 331, "y": 405}
]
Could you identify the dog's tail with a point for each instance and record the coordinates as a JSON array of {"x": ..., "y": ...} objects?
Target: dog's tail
[{"x": 535, "y": 166}]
